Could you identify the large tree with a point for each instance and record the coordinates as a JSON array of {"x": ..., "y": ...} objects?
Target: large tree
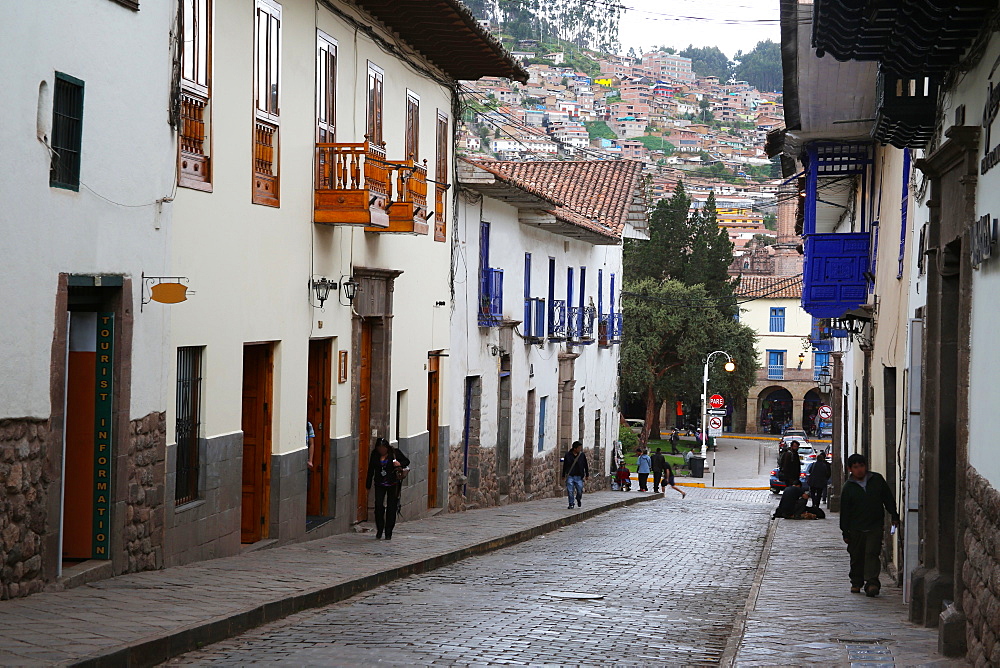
[
  {"x": 761, "y": 67},
  {"x": 679, "y": 305},
  {"x": 708, "y": 61}
]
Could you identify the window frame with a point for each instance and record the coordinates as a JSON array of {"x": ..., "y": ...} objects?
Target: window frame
[
  {"x": 442, "y": 142},
  {"x": 188, "y": 487},
  {"x": 327, "y": 80},
  {"x": 375, "y": 118},
  {"x": 267, "y": 117},
  {"x": 59, "y": 143},
  {"x": 776, "y": 322},
  {"x": 411, "y": 126},
  {"x": 194, "y": 170},
  {"x": 783, "y": 355}
]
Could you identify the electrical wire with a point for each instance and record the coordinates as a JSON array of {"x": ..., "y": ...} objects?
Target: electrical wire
[{"x": 716, "y": 302}]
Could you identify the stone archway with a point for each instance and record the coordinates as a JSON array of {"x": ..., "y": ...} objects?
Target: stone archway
[
  {"x": 809, "y": 406},
  {"x": 774, "y": 409}
]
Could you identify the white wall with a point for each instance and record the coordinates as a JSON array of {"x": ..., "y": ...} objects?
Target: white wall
[
  {"x": 596, "y": 369},
  {"x": 126, "y": 157},
  {"x": 251, "y": 264},
  {"x": 798, "y": 324}
]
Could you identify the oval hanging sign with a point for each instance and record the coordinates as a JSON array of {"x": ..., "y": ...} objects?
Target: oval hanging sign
[{"x": 168, "y": 293}]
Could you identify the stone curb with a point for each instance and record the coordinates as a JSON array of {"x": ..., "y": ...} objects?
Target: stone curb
[
  {"x": 728, "y": 659},
  {"x": 156, "y": 650}
]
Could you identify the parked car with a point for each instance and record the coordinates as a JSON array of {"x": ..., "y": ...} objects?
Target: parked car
[
  {"x": 635, "y": 425},
  {"x": 778, "y": 485}
]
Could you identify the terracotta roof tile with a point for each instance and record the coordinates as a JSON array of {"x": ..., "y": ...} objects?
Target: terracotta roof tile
[
  {"x": 774, "y": 287},
  {"x": 593, "y": 194}
]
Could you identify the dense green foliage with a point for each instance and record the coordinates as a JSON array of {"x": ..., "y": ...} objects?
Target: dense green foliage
[
  {"x": 628, "y": 438},
  {"x": 656, "y": 144},
  {"x": 708, "y": 61},
  {"x": 579, "y": 22},
  {"x": 679, "y": 306},
  {"x": 761, "y": 67},
  {"x": 599, "y": 130}
]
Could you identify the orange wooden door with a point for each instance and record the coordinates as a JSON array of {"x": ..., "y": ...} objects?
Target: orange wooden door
[
  {"x": 256, "y": 442},
  {"x": 78, "y": 506},
  {"x": 364, "y": 417},
  {"x": 318, "y": 410},
  {"x": 433, "y": 423}
]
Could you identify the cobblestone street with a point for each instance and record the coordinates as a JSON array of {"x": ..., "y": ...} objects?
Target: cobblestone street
[{"x": 673, "y": 575}]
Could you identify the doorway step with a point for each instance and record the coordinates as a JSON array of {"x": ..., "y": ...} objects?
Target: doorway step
[{"x": 80, "y": 573}]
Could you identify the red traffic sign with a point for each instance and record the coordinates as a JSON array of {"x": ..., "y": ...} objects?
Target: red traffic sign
[
  {"x": 715, "y": 422},
  {"x": 825, "y": 412},
  {"x": 716, "y": 401}
]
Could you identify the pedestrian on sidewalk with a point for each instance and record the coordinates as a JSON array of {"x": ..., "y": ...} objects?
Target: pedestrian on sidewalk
[
  {"x": 819, "y": 478},
  {"x": 384, "y": 471},
  {"x": 643, "y": 466},
  {"x": 668, "y": 479},
  {"x": 659, "y": 464},
  {"x": 675, "y": 438},
  {"x": 575, "y": 471},
  {"x": 790, "y": 465},
  {"x": 864, "y": 501}
]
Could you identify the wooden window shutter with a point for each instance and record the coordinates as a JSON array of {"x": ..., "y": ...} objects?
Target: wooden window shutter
[
  {"x": 266, "y": 131},
  {"x": 194, "y": 145}
]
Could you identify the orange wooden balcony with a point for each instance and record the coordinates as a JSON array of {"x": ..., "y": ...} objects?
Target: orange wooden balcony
[
  {"x": 408, "y": 207},
  {"x": 352, "y": 185}
]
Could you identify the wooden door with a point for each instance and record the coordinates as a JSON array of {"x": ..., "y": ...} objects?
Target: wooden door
[
  {"x": 318, "y": 415},
  {"x": 78, "y": 476},
  {"x": 433, "y": 424},
  {"x": 256, "y": 442},
  {"x": 364, "y": 416}
]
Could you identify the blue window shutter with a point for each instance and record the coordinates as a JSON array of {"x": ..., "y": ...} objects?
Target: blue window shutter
[
  {"x": 611, "y": 295},
  {"x": 834, "y": 280},
  {"x": 583, "y": 298},
  {"x": 600, "y": 292},
  {"x": 527, "y": 275},
  {"x": 903, "y": 210},
  {"x": 569, "y": 287},
  {"x": 777, "y": 323}
]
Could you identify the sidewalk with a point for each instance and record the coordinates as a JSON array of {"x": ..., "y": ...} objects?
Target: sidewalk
[
  {"x": 801, "y": 611},
  {"x": 146, "y": 618}
]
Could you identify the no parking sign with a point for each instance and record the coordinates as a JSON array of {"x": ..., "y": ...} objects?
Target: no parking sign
[{"x": 715, "y": 426}]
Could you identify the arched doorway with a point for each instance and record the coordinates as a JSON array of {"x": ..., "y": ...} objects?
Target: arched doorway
[
  {"x": 775, "y": 410},
  {"x": 810, "y": 406}
]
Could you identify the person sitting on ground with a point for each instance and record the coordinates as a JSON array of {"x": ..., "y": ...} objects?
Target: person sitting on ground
[
  {"x": 687, "y": 458},
  {"x": 793, "y": 502},
  {"x": 624, "y": 477}
]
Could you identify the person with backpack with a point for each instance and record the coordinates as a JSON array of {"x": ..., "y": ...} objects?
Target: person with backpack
[
  {"x": 387, "y": 467},
  {"x": 575, "y": 471},
  {"x": 864, "y": 501}
]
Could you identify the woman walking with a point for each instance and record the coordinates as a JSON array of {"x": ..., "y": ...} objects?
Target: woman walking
[
  {"x": 384, "y": 466},
  {"x": 669, "y": 476},
  {"x": 644, "y": 465}
]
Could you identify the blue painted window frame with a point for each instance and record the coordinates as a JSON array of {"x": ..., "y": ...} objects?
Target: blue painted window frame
[
  {"x": 777, "y": 323},
  {"x": 776, "y": 364}
]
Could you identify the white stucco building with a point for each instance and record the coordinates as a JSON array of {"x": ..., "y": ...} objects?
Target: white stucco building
[
  {"x": 312, "y": 223},
  {"x": 85, "y": 214},
  {"x": 536, "y": 321}
]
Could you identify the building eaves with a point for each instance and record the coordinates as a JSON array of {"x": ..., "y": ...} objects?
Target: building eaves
[{"x": 448, "y": 35}]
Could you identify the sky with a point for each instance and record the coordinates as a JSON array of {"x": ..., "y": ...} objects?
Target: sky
[{"x": 731, "y": 25}]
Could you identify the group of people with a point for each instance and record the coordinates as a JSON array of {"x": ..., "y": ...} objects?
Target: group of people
[
  {"x": 658, "y": 465},
  {"x": 796, "y": 495}
]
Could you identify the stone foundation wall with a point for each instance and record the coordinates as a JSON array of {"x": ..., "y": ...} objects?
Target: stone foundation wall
[
  {"x": 482, "y": 486},
  {"x": 144, "y": 507},
  {"x": 981, "y": 571},
  {"x": 23, "y": 492}
]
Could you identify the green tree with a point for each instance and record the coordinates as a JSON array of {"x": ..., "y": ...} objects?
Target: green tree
[
  {"x": 708, "y": 61},
  {"x": 671, "y": 327},
  {"x": 761, "y": 67},
  {"x": 770, "y": 221}
]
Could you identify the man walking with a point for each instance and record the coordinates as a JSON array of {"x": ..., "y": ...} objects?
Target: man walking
[
  {"x": 659, "y": 465},
  {"x": 864, "y": 501},
  {"x": 643, "y": 466},
  {"x": 575, "y": 471},
  {"x": 790, "y": 465},
  {"x": 675, "y": 438}
]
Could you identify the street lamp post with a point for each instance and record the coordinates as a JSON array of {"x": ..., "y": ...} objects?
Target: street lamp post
[{"x": 730, "y": 367}]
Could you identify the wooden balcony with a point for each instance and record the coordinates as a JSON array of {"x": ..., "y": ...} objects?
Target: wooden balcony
[
  {"x": 195, "y": 167},
  {"x": 353, "y": 185},
  {"x": 408, "y": 206},
  {"x": 440, "y": 212},
  {"x": 265, "y": 176}
]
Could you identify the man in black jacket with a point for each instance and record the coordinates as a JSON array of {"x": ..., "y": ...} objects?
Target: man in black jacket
[
  {"x": 659, "y": 465},
  {"x": 819, "y": 478},
  {"x": 864, "y": 501},
  {"x": 790, "y": 466},
  {"x": 575, "y": 470}
]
